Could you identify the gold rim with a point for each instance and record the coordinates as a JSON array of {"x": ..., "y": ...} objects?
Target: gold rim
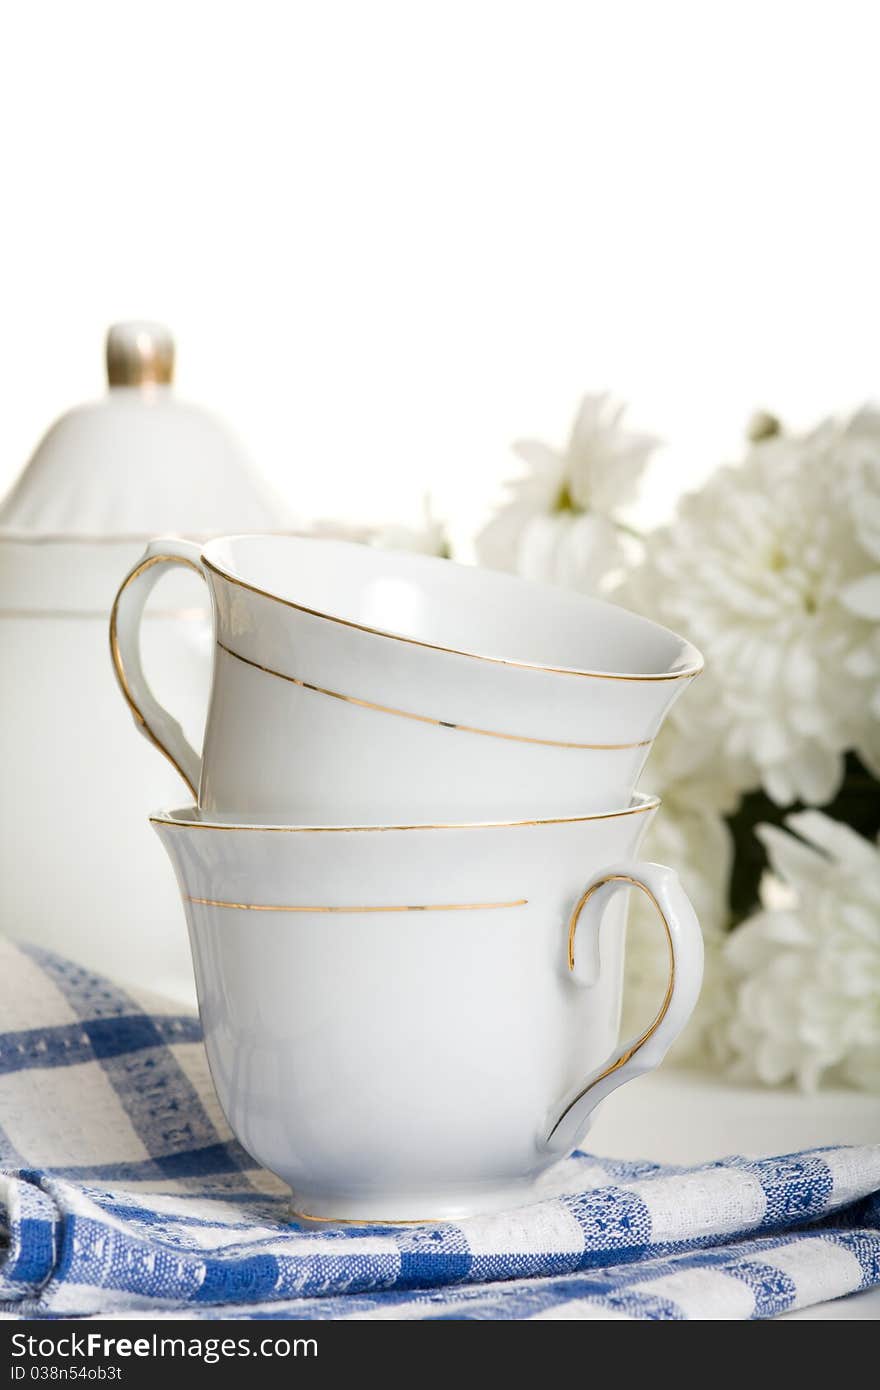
[
  {"x": 371, "y": 1220},
  {"x": 396, "y": 907},
  {"x": 649, "y": 1032},
  {"x": 119, "y": 666},
  {"x": 649, "y": 804},
  {"x": 427, "y": 718},
  {"x": 451, "y": 651}
]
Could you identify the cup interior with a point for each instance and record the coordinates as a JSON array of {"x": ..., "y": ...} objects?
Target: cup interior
[{"x": 457, "y": 608}]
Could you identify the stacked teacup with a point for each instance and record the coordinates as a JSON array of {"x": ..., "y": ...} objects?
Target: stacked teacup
[{"x": 405, "y": 873}]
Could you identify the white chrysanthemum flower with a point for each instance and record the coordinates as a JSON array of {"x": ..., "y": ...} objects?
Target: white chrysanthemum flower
[
  {"x": 862, "y": 597},
  {"x": 562, "y": 522},
  {"x": 429, "y": 538},
  {"x": 807, "y": 1001},
  {"x": 697, "y": 844},
  {"x": 772, "y": 569}
]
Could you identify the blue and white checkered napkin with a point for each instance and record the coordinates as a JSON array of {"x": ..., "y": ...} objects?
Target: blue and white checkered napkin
[{"x": 123, "y": 1192}]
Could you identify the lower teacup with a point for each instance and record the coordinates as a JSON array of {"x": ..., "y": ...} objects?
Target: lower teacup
[{"x": 410, "y": 1023}]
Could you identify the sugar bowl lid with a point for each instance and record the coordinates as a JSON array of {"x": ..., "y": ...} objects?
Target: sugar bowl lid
[{"x": 139, "y": 462}]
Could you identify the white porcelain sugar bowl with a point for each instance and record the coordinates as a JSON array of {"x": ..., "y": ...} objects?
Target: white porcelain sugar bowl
[{"x": 76, "y": 876}]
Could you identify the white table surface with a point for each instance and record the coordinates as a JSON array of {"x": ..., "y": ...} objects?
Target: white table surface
[{"x": 685, "y": 1117}]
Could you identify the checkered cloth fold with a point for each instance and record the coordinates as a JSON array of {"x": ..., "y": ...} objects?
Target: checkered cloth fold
[{"x": 123, "y": 1192}]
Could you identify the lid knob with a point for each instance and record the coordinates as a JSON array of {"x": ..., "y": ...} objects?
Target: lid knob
[{"x": 139, "y": 354}]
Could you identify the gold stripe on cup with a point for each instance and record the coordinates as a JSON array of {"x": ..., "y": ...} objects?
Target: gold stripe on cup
[
  {"x": 427, "y": 718},
  {"x": 395, "y": 907}
]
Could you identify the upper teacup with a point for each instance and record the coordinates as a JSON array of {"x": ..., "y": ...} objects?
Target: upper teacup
[{"x": 358, "y": 685}]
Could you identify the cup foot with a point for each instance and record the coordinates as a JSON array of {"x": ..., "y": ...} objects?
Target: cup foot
[{"x": 394, "y": 1209}]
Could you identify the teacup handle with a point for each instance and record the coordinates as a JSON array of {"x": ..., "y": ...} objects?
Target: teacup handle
[
  {"x": 153, "y": 721},
  {"x": 685, "y": 945}
]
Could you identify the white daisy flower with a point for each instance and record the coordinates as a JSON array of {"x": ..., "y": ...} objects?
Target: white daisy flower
[
  {"x": 562, "y": 522},
  {"x": 428, "y": 538}
]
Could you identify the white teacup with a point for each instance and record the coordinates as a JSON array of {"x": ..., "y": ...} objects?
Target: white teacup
[
  {"x": 410, "y": 1023},
  {"x": 353, "y": 684}
]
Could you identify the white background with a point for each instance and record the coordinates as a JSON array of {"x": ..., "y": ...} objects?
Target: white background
[{"x": 393, "y": 237}]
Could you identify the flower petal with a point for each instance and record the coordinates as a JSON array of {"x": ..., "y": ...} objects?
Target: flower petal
[
  {"x": 817, "y": 774},
  {"x": 541, "y": 459},
  {"x": 835, "y": 839},
  {"x": 863, "y": 597}
]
